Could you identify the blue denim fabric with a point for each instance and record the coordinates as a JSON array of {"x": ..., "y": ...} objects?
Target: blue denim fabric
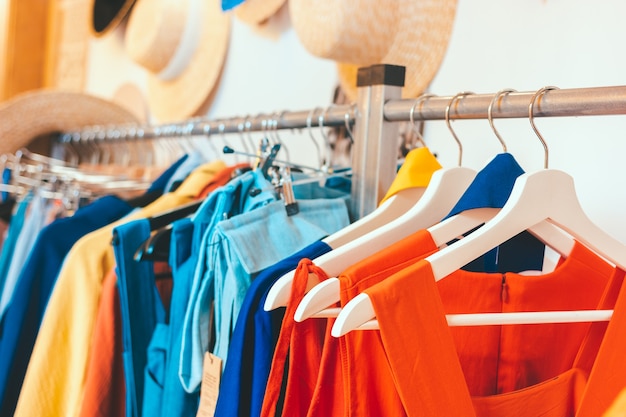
[
  {"x": 254, "y": 339},
  {"x": 225, "y": 202},
  {"x": 140, "y": 305},
  {"x": 33, "y": 223},
  {"x": 249, "y": 243},
  {"x": 13, "y": 233},
  {"x": 195, "y": 329},
  {"x": 162, "y": 380},
  {"x": 6, "y": 179}
]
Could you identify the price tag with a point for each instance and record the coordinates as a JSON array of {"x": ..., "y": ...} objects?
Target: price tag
[{"x": 212, "y": 372}]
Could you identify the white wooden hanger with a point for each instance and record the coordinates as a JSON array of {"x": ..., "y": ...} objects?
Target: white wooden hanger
[
  {"x": 545, "y": 195},
  {"x": 327, "y": 292},
  {"x": 397, "y": 204},
  {"x": 392, "y": 208},
  {"x": 444, "y": 190}
]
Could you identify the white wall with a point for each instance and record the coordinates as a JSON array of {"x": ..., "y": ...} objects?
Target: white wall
[{"x": 495, "y": 44}]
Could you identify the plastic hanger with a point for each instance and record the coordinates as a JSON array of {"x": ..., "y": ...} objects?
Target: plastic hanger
[
  {"x": 492, "y": 188},
  {"x": 443, "y": 191},
  {"x": 326, "y": 293},
  {"x": 156, "y": 247},
  {"x": 421, "y": 164},
  {"x": 544, "y": 195}
]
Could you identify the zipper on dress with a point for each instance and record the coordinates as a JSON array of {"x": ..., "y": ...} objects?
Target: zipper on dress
[{"x": 504, "y": 292}]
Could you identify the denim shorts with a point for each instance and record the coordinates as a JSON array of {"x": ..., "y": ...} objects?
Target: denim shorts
[{"x": 237, "y": 250}]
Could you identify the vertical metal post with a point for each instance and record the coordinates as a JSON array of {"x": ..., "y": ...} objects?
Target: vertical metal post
[{"x": 375, "y": 152}]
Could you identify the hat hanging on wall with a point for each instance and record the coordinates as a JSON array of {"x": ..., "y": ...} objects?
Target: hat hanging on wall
[
  {"x": 107, "y": 14},
  {"x": 257, "y": 12},
  {"x": 268, "y": 18},
  {"x": 356, "y": 33},
  {"x": 182, "y": 44},
  {"x": 35, "y": 113},
  {"x": 130, "y": 97}
]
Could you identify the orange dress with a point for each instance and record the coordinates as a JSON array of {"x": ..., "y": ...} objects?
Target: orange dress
[
  {"x": 357, "y": 360},
  {"x": 547, "y": 370}
]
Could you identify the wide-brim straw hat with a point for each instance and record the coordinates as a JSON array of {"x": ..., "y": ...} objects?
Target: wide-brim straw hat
[
  {"x": 257, "y": 12},
  {"x": 357, "y": 33},
  {"x": 182, "y": 44},
  {"x": 107, "y": 14},
  {"x": 32, "y": 114}
]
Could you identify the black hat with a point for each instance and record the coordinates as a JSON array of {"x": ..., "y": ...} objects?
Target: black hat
[{"x": 107, "y": 14}]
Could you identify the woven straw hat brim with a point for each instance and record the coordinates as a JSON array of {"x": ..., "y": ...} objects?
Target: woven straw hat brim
[
  {"x": 107, "y": 14},
  {"x": 255, "y": 12},
  {"x": 190, "y": 93},
  {"x": 358, "y": 33},
  {"x": 40, "y": 112},
  {"x": 354, "y": 31},
  {"x": 420, "y": 44}
]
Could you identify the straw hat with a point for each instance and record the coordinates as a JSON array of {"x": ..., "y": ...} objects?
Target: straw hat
[
  {"x": 356, "y": 33},
  {"x": 130, "y": 97},
  {"x": 182, "y": 44},
  {"x": 107, "y": 14},
  {"x": 35, "y": 113},
  {"x": 266, "y": 18},
  {"x": 257, "y": 12}
]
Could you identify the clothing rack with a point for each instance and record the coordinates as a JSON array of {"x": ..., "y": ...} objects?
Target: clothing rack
[
  {"x": 379, "y": 106},
  {"x": 201, "y": 126},
  {"x": 595, "y": 101}
]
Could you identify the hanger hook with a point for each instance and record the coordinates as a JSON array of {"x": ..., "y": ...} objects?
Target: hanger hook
[
  {"x": 420, "y": 100},
  {"x": 221, "y": 129},
  {"x": 240, "y": 128},
  {"x": 208, "y": 131},
  {"x": 329, "y": 150},
  {"x": 495, "y": 99},
  {"x": 346, "y": 121},
  {"x": 309, "y": 120},
  {"x": 264, "y": 126},
  {"x": 248, "y": 129},
  {"x": 531, "y": 118},
  {"x": 447, "y": 115},
  {"x": 276, "y": 117}
]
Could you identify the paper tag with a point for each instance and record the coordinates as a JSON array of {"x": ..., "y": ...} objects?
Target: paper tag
[{"x": 212, "y": 372}]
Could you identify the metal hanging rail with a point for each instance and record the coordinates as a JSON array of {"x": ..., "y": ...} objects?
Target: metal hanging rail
[
  {"x": 338, "y": 115},
  {"x": 379, "y": 105},
  {"x": 595, "y": 101}
]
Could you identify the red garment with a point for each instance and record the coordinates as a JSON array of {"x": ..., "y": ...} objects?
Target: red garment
[
  {"x": 358, "y": 359},
  {"x": 533, "y": 370},
  {"x": 105, "y": 386},
  {"x": 368, "y": 387},
  {"x": 301, "y": 344}
]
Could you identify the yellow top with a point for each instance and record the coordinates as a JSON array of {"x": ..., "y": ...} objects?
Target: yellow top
[
  {"x": 54, "y": 381},
  {"x": 419, "y": 165}
]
